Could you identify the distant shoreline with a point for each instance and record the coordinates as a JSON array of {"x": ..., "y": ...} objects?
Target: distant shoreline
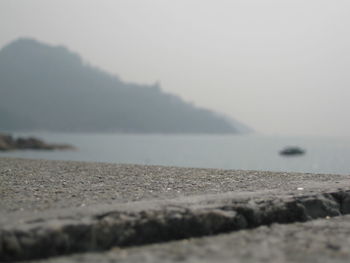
[{"x": 10, "y": 143}]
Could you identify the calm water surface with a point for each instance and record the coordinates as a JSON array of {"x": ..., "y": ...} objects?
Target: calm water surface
[{"x": 248, "y": 152}]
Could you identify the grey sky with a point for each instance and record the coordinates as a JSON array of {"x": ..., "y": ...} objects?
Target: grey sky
[{"x": 280, "y": 66}]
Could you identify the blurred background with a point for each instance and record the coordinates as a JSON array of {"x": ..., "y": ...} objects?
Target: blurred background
[{"x": 243, "y": 79}]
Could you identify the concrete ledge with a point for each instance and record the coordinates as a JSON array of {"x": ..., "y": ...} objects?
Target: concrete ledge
[
  {"x": 321, "y": 240},
  {"x": 60, "y": 226}
]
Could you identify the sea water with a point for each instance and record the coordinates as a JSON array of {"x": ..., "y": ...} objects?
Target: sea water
[{"x": 247, "y": 152}]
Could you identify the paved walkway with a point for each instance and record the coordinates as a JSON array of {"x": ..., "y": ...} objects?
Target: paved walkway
[{"x": 52, "y": 209}]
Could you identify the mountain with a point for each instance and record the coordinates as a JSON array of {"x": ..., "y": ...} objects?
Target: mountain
[{"x": 45, "y": 87}]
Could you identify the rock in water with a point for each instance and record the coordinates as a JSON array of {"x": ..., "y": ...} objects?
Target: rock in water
[
  {"x": 7, "y": 143},
  {"x": 292, "y": 151}
]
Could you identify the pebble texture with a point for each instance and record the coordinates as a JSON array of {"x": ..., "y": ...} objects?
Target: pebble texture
[{"x": 35, "y": 185}]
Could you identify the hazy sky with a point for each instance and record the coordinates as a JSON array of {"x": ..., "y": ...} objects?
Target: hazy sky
[{"x": 280, "y": 66}]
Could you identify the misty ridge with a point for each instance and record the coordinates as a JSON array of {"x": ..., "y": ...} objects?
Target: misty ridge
[{"x": 45, "y": 87}]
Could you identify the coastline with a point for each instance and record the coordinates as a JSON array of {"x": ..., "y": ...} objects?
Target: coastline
[{"x": 10, "y": 143}]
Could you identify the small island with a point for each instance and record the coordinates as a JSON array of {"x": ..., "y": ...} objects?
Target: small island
[{"x": 9, "y": 143}]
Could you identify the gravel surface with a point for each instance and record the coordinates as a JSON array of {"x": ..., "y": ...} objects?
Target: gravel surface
[{"x": 36, "y": 185}]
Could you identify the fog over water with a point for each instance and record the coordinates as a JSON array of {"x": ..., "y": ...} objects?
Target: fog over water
[{"x": 280, "y": 66}]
